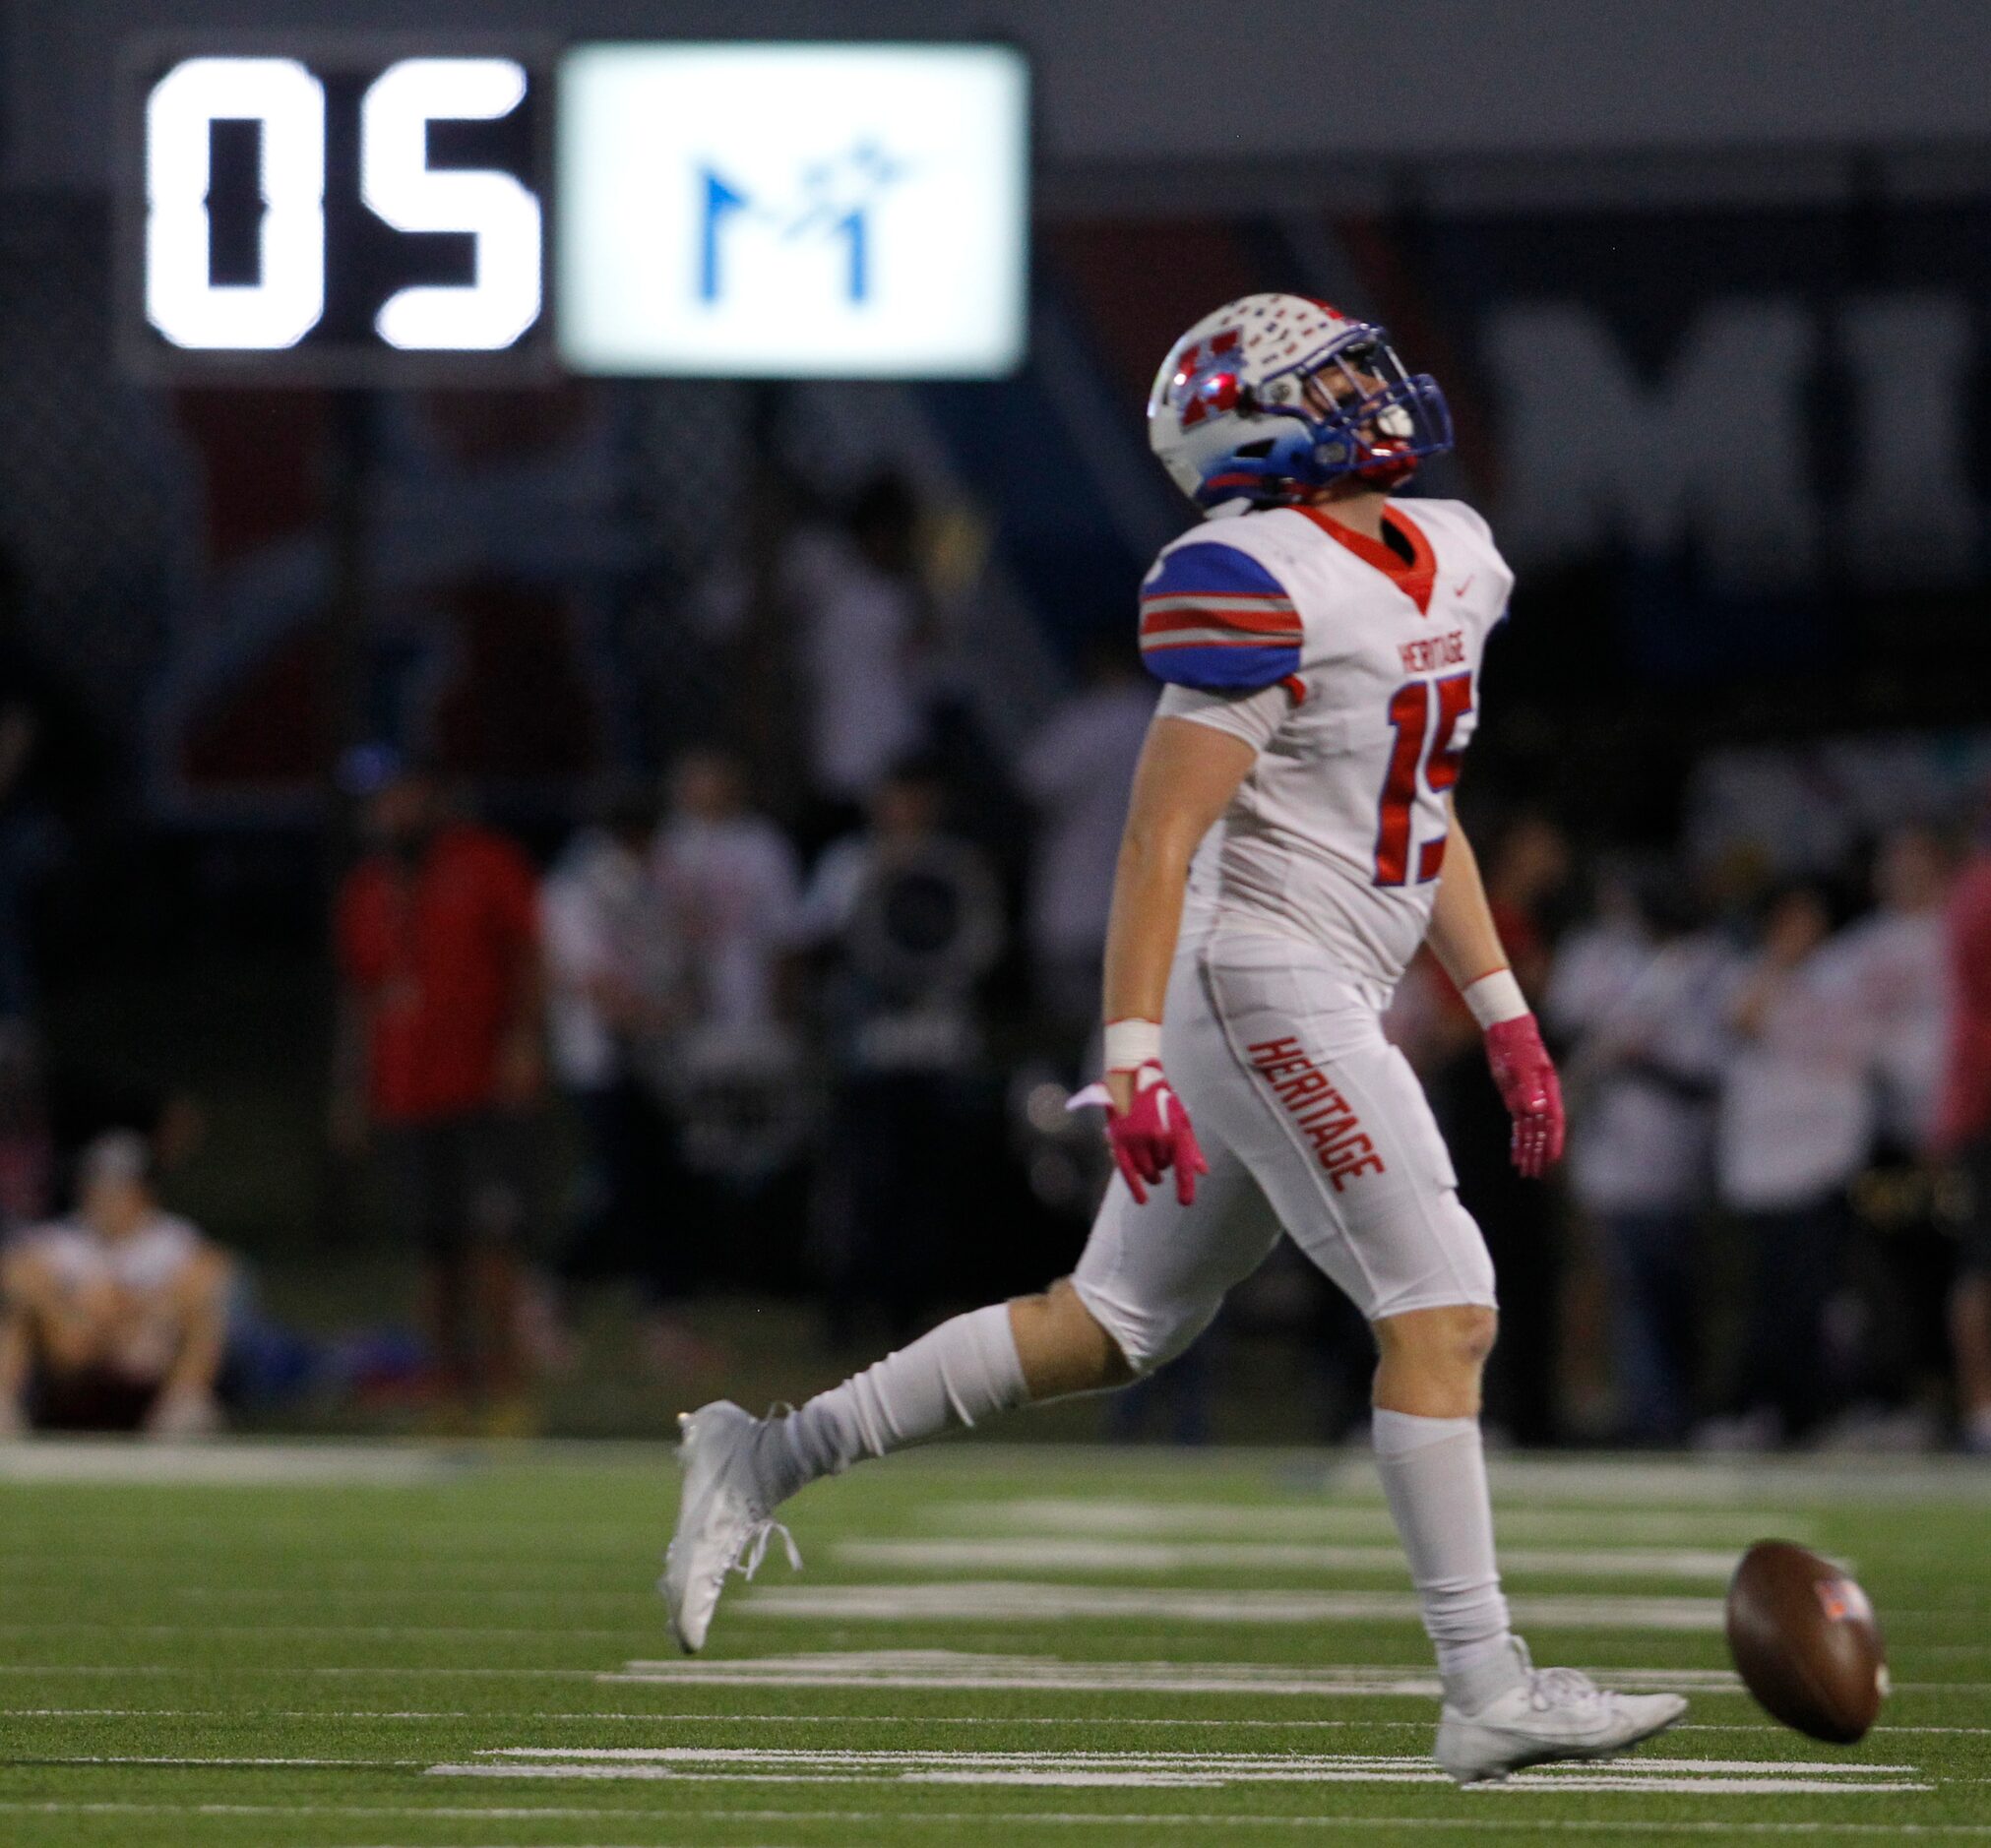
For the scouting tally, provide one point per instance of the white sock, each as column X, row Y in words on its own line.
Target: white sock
column 955, row 1375
column 1434, row 1474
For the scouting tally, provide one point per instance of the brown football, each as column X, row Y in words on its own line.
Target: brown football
column 1806, row 1642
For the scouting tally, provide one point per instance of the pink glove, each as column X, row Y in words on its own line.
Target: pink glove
column 1153, row 1137
column 1526, row 1077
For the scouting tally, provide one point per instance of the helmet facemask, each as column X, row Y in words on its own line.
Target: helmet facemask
column 1272, row 399
column 1366, row 418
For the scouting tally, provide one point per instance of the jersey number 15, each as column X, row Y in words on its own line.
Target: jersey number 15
column 1422, row 749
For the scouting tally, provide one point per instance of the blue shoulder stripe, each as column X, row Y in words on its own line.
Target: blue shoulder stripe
column 1211, row 567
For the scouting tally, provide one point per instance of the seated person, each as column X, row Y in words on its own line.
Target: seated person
column 115, row 1319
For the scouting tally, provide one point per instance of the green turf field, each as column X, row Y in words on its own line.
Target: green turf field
column 990, row 1646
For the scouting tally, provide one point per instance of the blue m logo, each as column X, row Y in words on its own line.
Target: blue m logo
column 835, row 201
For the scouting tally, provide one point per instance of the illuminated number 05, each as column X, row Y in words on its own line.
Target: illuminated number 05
column 1421, row 750
column 287, row 300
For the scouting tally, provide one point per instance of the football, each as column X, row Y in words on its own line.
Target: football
column 1806, row 1642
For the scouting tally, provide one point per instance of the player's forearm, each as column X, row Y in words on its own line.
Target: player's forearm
column 1186, row 774
column 1462, row 935
column 1146, row 920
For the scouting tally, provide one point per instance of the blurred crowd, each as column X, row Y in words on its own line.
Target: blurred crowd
column 1772, row 1217
column 803, row 1014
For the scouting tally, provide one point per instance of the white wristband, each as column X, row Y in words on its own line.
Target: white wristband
column 1133, row 1044
column 1494, row 998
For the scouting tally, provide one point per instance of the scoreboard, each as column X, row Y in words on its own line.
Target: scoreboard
column 381, row 211
column 335, row 213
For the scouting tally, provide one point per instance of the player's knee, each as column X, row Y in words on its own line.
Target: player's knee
column 1474, row 1331
column 1062, row 1346
column 1452, row 1341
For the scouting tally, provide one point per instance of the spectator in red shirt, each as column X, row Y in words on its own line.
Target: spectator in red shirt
column 1964, row 1135
column 439, row 1053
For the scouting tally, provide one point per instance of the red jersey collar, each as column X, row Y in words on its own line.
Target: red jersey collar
column 1414, row 580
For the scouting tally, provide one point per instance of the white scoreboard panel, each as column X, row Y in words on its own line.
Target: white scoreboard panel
column 381, row 211
column 780, row 210
column 335, row 211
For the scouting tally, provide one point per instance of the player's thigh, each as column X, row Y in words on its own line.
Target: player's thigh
column 1154, row 1275
column 1336, row 1127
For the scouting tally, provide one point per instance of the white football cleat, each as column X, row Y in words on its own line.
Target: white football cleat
column 1552, row 1715
column 724, row 1518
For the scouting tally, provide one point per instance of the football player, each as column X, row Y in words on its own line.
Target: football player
column 1289, row 844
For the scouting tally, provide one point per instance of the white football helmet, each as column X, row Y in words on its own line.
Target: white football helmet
column 1272, row 396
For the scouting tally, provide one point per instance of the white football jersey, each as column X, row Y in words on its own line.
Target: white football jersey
column 148, row 1262
column 1354, row 668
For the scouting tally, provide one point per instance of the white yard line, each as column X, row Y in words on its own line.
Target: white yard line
column 1025, row 1600
column 1699, row 1786
column 950, row 1668
column 402, row 1813
column 295, row 1668
column 662, row 1716
column 239, row 1464
column 1154, row 1771
column 1047, row 1553
column 1167, row 1780
column 636, row 1596
column 94, row 1668
column 850, row 1757
column 182, row 1761
column 943, row 1668
column 1159, row 1520
column 466, row 1632
column 374, row 1582
column 949, row 1819
column 1744, row 1481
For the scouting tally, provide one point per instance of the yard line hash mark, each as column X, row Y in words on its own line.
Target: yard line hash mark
column 1154, row 1771
column 1134, row 1558
column 1021, row 1599
column 949, row 1668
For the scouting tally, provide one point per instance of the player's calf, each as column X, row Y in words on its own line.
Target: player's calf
column 738, row 1468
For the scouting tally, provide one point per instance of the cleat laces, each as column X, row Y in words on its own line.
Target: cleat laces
column 754, row 1548
column 1549, row 1688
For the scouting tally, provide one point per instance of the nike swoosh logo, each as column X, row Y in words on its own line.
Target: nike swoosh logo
column 1460, row 589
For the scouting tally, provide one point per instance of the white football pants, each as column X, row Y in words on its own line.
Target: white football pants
column 1312, row 1124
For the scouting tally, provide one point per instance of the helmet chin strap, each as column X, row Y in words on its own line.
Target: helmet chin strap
column 1376, row 478
column 1387, row 472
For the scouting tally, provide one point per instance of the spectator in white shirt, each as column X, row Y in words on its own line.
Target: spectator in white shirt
column 1895, row 965
column 730, row 885
column 615, row 996
column 1640, row 998
column 116, row 1317
column 865, row 630
column 1795, row 1124
column 1076, row 772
